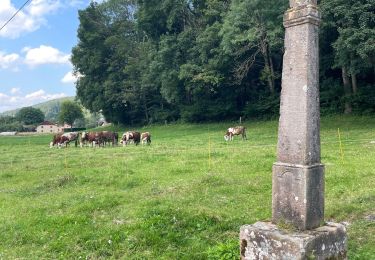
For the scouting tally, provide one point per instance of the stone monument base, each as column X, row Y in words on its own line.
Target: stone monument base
column 264, row 240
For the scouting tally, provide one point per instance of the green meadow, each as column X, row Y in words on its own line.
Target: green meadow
column 183, row 197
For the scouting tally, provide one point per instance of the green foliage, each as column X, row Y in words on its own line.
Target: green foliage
column 70, row 112
column 266, row 108
column 30, row 116
column 355, row 24
column 10, row 123
column 202, row 60
column 7, row 120
column 51, row 108
column 224, row 251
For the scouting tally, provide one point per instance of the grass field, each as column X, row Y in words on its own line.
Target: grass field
column 183, row 197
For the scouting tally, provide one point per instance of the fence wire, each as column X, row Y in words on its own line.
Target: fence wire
column 64, row 154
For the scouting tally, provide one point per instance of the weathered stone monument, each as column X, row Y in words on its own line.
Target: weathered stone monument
column 298, row 175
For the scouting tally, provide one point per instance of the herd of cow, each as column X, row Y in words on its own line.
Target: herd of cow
column 101, row 139
column 104, row 138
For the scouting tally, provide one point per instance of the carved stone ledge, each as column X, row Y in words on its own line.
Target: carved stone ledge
column 296, row 3
column 301, row 15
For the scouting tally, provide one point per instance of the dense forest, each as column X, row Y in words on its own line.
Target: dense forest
column 150, row 61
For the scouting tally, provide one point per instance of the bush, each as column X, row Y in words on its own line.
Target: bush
column 364, row 101
column 15, row 126
column 330, row 93
column 265, row 108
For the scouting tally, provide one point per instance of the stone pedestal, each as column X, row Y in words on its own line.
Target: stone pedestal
column 266, row 241
column 298, row 195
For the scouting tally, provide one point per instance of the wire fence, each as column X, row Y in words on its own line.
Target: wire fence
column 91, row 153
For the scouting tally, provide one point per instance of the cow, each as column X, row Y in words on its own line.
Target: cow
column 69, row 137
column 64, row 139
column 146, row 138
column 55, row 140
column 237, row 130
column 92, row 138
column 108, row 137
column 129, row 136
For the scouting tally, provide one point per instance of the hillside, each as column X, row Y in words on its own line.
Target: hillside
column 49, row 108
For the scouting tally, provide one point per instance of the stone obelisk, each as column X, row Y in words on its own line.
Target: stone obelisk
column 298, row 175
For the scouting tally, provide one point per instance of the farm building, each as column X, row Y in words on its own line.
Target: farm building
column 7, row 133
column 49, row 127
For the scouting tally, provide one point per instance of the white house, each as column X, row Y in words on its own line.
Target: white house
column 49, row 127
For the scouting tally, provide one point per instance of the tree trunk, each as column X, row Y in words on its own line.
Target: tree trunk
column 268, row 68
column 347, row 90
column 272, row 70
column 354, row 83
column 145, row 107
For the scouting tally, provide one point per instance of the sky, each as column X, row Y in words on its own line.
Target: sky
column 35, row 50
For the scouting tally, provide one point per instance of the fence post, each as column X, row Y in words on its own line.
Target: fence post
column 341, row 150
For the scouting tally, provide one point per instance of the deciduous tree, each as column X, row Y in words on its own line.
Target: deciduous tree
column 70, row 112
column 30, row 115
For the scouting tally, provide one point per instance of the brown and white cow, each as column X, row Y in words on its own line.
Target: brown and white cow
column 90, row 138
column 108, row 137
column 237, row 130
column 146, row 138
column 131, row 136
column 55, row 140
column 68, row 138
column 64, row 139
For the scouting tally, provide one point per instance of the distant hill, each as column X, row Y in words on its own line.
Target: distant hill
column 50, row 108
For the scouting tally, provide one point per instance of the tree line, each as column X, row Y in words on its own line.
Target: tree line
column 146, row 61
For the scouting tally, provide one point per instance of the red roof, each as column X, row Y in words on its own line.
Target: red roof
column 47, row 123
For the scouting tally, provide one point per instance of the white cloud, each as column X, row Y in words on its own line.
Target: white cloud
column 45, row 55
column 38, row 8
column 41, row 95
column 31, row 18
column 70, row 78
column 76, row 3
column 33, row 15
column 8, row 102
column 3, row 97
column 15, row 91
column 8, row 60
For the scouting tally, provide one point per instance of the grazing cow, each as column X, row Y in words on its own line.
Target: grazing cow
column 92, row 138
column 55, row 140
column 146, row 138
column 69, row 137
column 232, row 131
column 129, row 136
column 110, row 137
column 64, row 139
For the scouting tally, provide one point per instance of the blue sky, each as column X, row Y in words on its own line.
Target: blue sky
column 35, row 49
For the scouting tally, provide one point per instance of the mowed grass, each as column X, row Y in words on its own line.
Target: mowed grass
column 183, row 197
